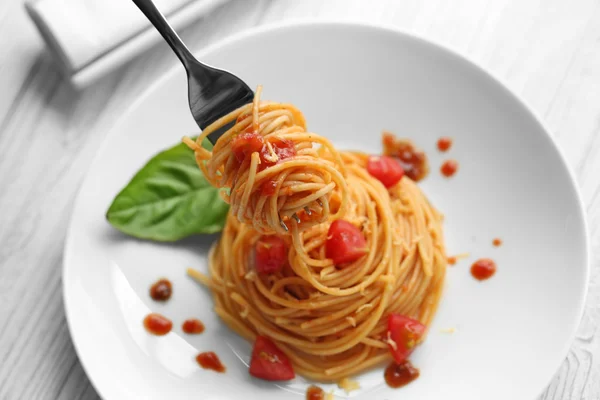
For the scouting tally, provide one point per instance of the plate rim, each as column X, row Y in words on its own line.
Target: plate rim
column 327, row 23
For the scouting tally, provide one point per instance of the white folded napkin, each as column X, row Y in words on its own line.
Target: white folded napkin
column 89, row 38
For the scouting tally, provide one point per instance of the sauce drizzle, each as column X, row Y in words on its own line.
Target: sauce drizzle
column 192, row 326
column 497, row 242
column 449, row 168
column 315, row 393
column 157, row 324
column 483, row 269
column 161, row 290
column 398, row 375
column 209, row 360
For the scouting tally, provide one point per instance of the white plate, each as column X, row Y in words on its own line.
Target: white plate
column 351, row 81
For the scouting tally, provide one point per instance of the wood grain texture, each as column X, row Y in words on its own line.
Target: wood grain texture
column 548, row 52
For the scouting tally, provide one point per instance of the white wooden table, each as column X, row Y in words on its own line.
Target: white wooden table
column 548, row 52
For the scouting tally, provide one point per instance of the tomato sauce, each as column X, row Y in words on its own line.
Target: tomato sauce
column 483, row 269
column 413, row 161
column 268, row 188
column 161, row 290
column 209, row 360
column 444, row 143
column 283, row 149
column 192, row 326
column 315, row 393
column 157, row 324
column 449, row 168
column 497, row 242
column 398, row 375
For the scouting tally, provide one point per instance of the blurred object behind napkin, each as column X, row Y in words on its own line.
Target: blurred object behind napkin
column 89, row 38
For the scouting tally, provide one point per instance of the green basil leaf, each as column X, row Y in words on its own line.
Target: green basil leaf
column 168, row 199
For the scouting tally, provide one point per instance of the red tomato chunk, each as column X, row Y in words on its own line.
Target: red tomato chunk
column 345, row 242
column 387, row 170
column 270, row 363
column 283, row 149
column 246, row 143
column 406, row 333
column 268, row 188
column 271, row 254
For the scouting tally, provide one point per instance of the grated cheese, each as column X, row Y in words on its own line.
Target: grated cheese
column 348, row 385
column 417, row 239
column 272, row 156
column 364, row 306
column 448, row 330
column 389, row 341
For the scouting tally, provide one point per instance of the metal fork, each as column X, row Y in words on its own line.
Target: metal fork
column 212, row 93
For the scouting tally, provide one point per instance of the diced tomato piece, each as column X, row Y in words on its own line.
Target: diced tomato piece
column 270, row 363
column 246, row 143
column 406, row 333
column 345, row 242
column 283, row 148
column 271, row 254
column 387, row 170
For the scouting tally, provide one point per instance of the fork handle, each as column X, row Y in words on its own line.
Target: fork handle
column 167, row 32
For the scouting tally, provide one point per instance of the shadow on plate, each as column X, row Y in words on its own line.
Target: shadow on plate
column 199, row 244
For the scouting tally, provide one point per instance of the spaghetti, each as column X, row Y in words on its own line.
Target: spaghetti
column 271, row 168
column 330, row 320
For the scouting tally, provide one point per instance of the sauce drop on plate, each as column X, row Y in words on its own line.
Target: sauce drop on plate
column 449, row 168
column 157, row 324
column 209, row 360
column 315, row 393
column 398, row 375
column 451, row 260
column 192, row 326
column 497, row 242
column 444, row 143
column 483, row 269
column 161, row 290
